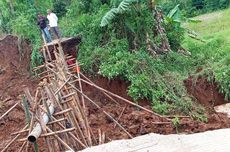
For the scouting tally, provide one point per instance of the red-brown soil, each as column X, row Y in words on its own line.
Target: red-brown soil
column 14, row 76
column 137, row 122
column 205, row 92
column 14, row 67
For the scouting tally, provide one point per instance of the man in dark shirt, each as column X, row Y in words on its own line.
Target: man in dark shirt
column 43, row 27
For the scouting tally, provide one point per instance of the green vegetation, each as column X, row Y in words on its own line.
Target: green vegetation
column 176, row 123
column 195, row 7
column 214, row 53
column 129, row 39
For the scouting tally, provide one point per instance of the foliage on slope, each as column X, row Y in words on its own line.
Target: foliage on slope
column 111, row 51
column 196, row 7
column 119, row 48
column 214, row 54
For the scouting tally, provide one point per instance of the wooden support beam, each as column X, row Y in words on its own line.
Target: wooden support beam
column 63, row 112
column 107, row 114
column 63, row 102
column 60, row 140
column 55, row 121
column 57, row 132
column 20, row 132
column 69, row 95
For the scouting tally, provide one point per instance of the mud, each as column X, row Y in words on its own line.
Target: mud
column 16, row 74
column 136, row 121
column 14, row 67
column 205, row 92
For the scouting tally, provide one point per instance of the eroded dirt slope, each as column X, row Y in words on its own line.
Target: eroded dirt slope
column 14, row 76
column 14, row 67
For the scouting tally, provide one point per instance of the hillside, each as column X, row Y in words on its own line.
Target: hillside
column 135, row 68
column 213, row 55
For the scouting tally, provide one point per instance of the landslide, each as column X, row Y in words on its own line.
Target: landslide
column 14, row 76
column 14, row 67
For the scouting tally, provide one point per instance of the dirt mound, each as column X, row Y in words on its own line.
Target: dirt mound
column 14, row 67
column 205, row 92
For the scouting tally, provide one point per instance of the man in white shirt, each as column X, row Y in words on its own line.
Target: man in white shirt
column 53, row 19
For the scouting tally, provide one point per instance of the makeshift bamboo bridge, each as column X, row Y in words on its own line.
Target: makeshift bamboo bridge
column 57, row 113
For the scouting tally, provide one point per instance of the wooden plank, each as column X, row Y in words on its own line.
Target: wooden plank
column 63, row 112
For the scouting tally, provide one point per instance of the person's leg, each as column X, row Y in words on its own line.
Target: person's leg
column 57, row 32
column 44, row 36
column 47, row 35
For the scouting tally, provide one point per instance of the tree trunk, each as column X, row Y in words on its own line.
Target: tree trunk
column 160, row 32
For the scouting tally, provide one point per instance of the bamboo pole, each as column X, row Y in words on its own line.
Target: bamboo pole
column 22, row 147
column 8, row 111
column 26, row 109
column 55, row 121
column 108, row 115
column 28, row 95
column 63, row 112
column 59, row 89
column 71, row 134
column 120, row 116
column 127, row 101
column 83, row 104
column 20, row 132
column 57, row 132
column 76, row 113
column 102, row 91
column 13, row 140
column 60, row 140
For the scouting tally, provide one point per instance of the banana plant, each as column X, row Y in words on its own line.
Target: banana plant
column 175, row 17
column 122, row 7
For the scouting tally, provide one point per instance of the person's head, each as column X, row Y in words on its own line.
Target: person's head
column 49, row 11
column 39, row 14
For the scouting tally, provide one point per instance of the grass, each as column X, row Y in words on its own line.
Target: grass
column 214, row 54
column 213, row 24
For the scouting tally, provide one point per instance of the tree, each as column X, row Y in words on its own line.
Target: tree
column 131, row 7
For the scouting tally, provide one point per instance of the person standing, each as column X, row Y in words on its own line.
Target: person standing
column 53, row 19
column 42, row 24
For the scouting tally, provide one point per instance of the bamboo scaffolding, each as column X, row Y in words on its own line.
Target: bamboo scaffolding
column 79, row 120
column 60, row 140
column 71, row 134
column 108, row 115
